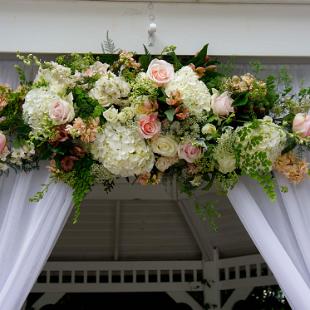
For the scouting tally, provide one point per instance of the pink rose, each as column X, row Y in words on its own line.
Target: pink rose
column 2, row 142
column 160, row 71
column 61, row 111
column 301, row 124
column 189, row 152
column 221, row 104
column 149, row 125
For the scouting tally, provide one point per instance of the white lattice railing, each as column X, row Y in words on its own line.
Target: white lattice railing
column 146, row 276
column 244, row 271
column 120, row 276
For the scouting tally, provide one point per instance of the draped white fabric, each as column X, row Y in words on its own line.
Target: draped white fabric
column 28, row 231
column 280, row 230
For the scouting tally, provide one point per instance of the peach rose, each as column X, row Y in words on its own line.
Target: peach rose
column 221, row 104
column 301, row 124
column 61, row 111
column 149, row 126
column 2, row 142
column 160, row 71
column 189, row 152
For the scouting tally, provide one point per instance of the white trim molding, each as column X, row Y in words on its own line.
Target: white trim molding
column 232, row 28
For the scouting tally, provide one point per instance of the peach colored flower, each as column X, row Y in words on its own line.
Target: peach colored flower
column 2, row 143
column 193, row 169
column 189, row 152
column 149, row 106
column 149, row 126
column 181, row 113
column 87, row 131
column 163, row 163
column 160, row 71
column 78, row 151
column 3, row 102
column 174, row 99
column 293, row 168
column 143, row 179
column 301, row 124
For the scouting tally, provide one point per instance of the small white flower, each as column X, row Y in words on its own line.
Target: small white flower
column 110, row 89
column 111, row 115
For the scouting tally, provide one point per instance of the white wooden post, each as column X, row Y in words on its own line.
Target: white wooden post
column 211, row 290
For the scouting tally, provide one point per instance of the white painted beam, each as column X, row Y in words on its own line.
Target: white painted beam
column 184, row 297
column 197, row 227
column 117, row 229
column 230, row 28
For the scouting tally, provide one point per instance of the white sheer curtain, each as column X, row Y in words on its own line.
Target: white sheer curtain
column 28, row 231
column 281, row 230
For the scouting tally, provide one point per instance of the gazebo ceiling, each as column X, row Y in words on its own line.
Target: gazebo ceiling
column 148, row 223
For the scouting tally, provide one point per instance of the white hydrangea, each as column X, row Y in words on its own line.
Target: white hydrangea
column 36, row 108
column 57, row 76
column 194, row 93
column 110, row 89
column 272, row 143
column 122, row 151
column 23, row 152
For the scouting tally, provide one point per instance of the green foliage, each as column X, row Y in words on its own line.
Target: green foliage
column 21, row 75
column 12, row 113
column 39, row 195
column 256, row 67
column 242, row 99
column 200, row 59
column 81, row 180
column 145, row 59
column 76, row 62
column 208, row 212
column 108, row 46
column 170, row 114
column 85, row 106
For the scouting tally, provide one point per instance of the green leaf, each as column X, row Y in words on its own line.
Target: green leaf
column 199, row 59
column 170, row 114
column 145, row 59
column 241, row 100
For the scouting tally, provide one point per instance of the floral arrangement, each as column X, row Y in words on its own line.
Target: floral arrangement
column 97, row 118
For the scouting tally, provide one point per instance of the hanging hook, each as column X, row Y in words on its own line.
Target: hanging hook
column 152, row 27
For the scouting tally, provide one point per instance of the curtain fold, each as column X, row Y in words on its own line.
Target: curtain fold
column 280, row 231
column 28, row 231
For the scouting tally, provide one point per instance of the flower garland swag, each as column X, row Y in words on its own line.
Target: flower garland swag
column 101, row 117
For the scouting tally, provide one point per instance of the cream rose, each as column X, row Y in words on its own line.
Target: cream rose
column 208, row 129
column 221, row 104
column 189, row 152
column 301, row 124
column 111, row 115
column 163, row 163
column 227, row 163
column 165, row 146
column 61, row 111
column 149, row 126
column 160, row 71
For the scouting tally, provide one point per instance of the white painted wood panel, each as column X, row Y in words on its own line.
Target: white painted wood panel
column 231, row 29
